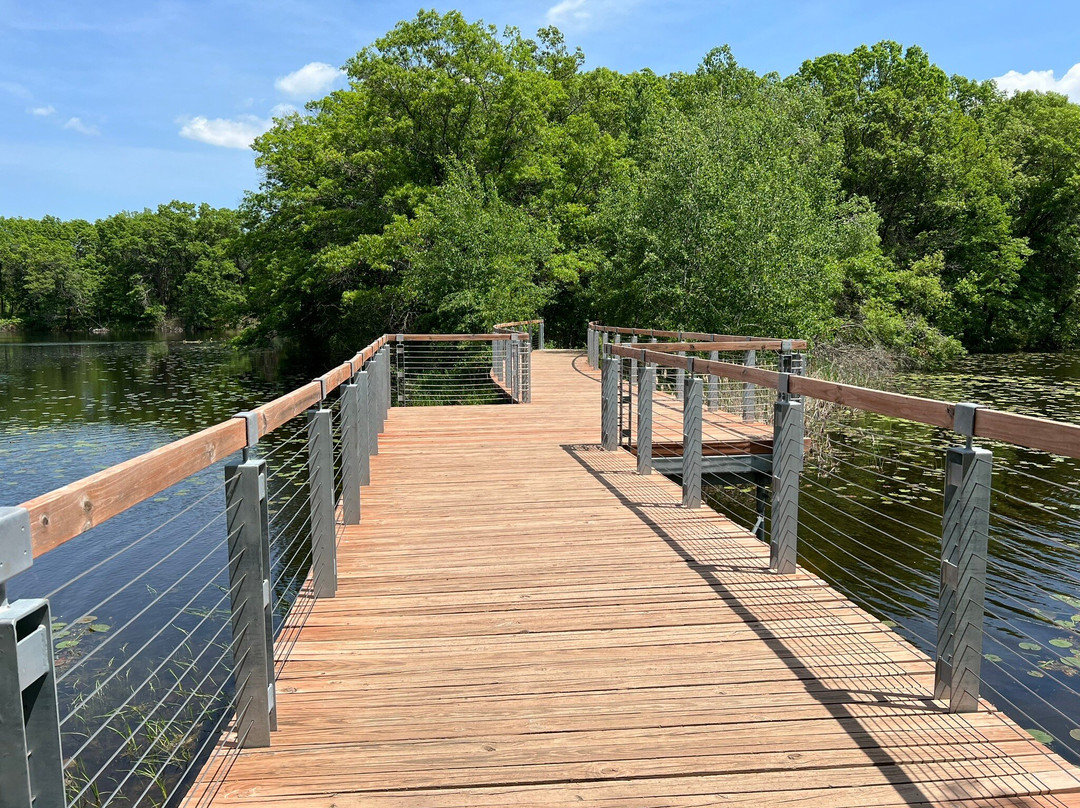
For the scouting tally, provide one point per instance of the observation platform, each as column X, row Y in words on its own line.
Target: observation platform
column 523, row 620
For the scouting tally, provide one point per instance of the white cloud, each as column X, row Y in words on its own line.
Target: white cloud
column 1043, row 81
column 569, row 12
column 43, row 112
column 236, row 133
column 281, row 110
column 581, row 14
column 311, row 79
column 80, row 127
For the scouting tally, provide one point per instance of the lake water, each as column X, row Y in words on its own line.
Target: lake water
column 140, row 603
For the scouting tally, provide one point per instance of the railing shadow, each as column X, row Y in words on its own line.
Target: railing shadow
column 730, row 556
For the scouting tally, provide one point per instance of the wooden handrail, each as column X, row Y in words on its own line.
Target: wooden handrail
column 796, row 344
column 518, row 322
column 750, row 344
column 1043, row 434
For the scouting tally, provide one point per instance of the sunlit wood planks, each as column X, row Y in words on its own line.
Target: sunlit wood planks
column 522, row 620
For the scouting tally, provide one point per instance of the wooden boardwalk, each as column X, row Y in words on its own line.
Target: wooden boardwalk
column 522, row 620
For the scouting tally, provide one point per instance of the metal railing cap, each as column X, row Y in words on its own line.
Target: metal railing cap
column 964, row 418
column 16, row 548
column 251, row 423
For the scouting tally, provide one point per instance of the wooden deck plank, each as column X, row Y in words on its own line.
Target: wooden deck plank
column 522, row 620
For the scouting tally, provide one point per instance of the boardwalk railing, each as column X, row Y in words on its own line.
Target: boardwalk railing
column 534, row 329
column 115, row 697
column 844, row 449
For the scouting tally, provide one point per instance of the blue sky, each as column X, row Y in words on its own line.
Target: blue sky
column 117, row 105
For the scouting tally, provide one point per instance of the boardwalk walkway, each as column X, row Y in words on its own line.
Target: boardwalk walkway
column 522, row 620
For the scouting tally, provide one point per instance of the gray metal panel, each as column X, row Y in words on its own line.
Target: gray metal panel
column 365, row 419
column 719, row 465
column 609, row 404
column 680, row 380
column 31, row 765
column 646, row 386
column 16, row 549
column 540, row 337
column 691, row 478
column 321, row 502
column 247, row 520
column 350, row 454
column 787, row 469
column 965, row 531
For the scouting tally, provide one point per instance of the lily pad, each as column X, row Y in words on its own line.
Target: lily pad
column 1075, row 734
column 99, row 628
column 1036, row 673
column 1040, row 736
column 991, row 657
column 1061, row 642
column 1030, row 646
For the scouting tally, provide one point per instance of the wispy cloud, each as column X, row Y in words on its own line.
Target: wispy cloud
column 17, row 90
column 234, row 133
column 43, row 112
column 310, row 80
column 581, row 14
column 77, row 125
column 1043, row 81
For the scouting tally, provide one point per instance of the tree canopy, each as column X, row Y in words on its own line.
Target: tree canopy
column 468, row 175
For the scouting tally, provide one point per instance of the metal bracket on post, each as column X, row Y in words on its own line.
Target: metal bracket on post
column 965, row 531
column 787, row 470
column 322, row 388
column 365, row 421
column 609, row 402
column 251, row 425
column 321, row 502
column 964, row 419
column 692, row 461
column 31, row 763
column 646, row 386
column 350, row 454
column 248, row 525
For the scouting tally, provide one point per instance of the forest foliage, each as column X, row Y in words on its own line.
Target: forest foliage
column 467, row 176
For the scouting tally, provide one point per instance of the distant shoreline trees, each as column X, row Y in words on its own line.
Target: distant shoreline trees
column 468, row 176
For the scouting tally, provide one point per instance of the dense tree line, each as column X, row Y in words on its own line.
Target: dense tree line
column 179, row 263
column 467, row 176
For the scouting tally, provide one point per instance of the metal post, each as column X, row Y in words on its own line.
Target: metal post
column 540, row 337
column 714, row 385
column 515, row 375
column 508, row 367
column 494, row 359
column 609, row 402
column 248, row 525
column 748, row 397
column 321, row 502
column 646, row 386
column 31, row 763
column 680, row 380
column 375, row 400
column 526, row 374
column 633, row 362
column 350, row 454
column 787, row 468
column 691, row 462
column 400, row 380
column 965, row 529
column 365, row 419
